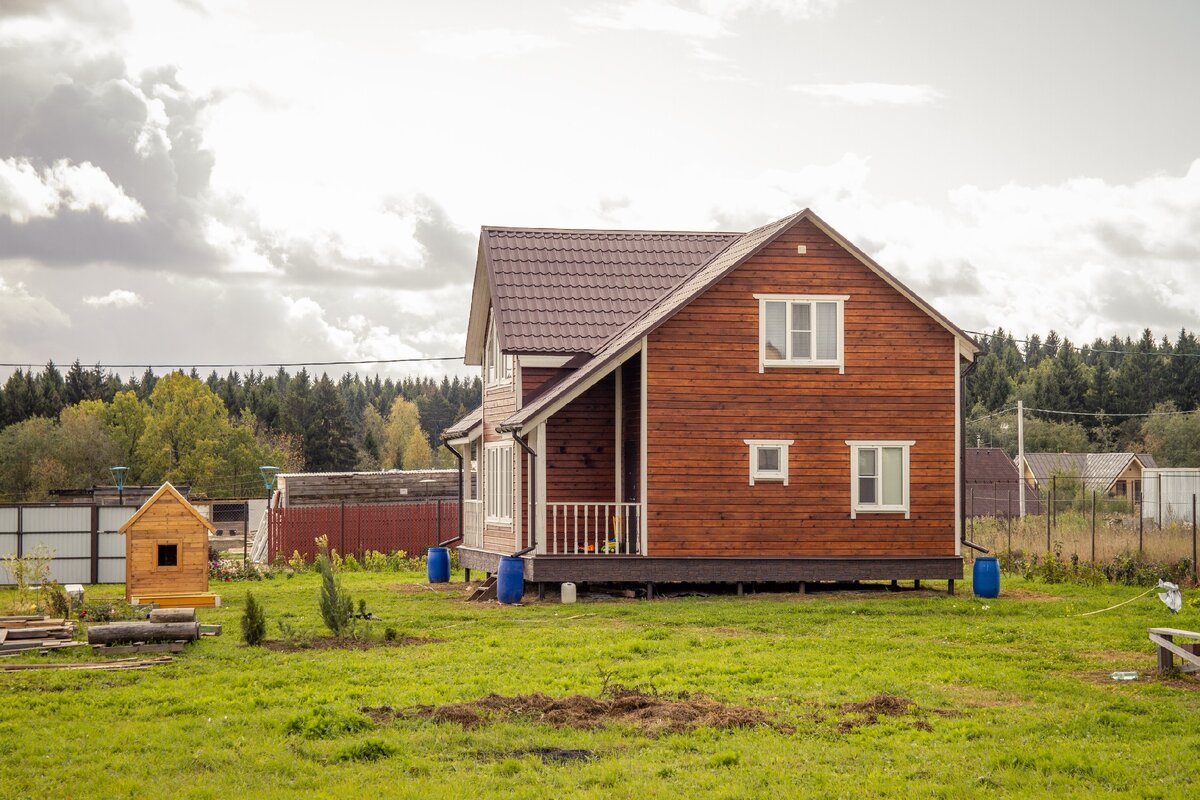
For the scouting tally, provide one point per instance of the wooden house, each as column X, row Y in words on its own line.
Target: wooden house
column 166, row 552
column 1117, row 475
column 668, row 406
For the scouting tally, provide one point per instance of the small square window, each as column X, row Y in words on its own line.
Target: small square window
column 168, row 555
column 768, row 460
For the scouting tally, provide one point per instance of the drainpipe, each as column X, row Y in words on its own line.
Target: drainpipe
column 459, row 456
column 532, row 495
column 962, row 456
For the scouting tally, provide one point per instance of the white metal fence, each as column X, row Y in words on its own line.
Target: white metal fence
column 1167, row 495
column 84, row 541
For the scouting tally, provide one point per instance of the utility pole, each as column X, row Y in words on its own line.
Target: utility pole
column 1021, row 453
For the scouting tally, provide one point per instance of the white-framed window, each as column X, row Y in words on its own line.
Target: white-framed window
column 498, row 482
column 801, row 331
column 879, row 477
column 471, row 465
column 768, row 459
column 498, row 366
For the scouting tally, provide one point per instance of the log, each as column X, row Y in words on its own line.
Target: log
column 173, row 615
column 144, row 632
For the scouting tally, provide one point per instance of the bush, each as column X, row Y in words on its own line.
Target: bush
column 254, row 622
column 55, row 602
column 337, row 607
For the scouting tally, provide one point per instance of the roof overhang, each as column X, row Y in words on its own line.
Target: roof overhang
column 477, row 323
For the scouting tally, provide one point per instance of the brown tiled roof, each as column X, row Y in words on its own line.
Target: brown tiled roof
column 993, row 485
column 567, row 291
column 618, row 345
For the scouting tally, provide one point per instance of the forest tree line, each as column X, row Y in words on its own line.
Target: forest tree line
column 1120, row 395
column 66, row 430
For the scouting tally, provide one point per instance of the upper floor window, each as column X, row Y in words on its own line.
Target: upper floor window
column 498, row 366
column 801, row 331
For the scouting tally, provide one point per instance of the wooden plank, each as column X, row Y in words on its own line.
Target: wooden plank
column 141, row 647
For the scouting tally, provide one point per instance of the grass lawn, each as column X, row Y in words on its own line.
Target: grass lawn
column 1038, row 714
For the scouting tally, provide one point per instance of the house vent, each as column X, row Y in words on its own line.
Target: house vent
column 801, row 249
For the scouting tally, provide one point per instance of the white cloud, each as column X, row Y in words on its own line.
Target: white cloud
column 873, row 94
column 26, row 193
column 705, row 19
column 19, row 307
column 117, row 298
column 486, row 43
column 657, row 16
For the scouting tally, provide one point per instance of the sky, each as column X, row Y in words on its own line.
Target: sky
column 211, row 181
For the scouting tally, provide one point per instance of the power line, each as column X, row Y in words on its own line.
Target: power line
column 259, row 366
column 993, row 414
column 1106, row 414
column 1080, row 349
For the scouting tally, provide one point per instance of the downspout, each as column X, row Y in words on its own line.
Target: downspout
column 532, row 495
column 459, row 456
column 962, row 456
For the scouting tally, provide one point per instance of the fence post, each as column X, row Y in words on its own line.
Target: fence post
column 1093, row 526
column 95, row 539
column 20, row 530
column 439, row 521
column 1048, row 512
column 1195, row 570
column 1053, row 505
column 1141, row 514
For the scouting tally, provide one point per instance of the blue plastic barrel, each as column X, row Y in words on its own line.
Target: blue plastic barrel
column 986, row 577
column 510, row 580
column 438, row 565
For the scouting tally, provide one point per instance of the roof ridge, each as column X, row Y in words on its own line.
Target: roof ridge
column 631, row 231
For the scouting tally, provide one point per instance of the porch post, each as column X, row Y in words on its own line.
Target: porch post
column 618, row 453
column 645, row 514
column 540, row 484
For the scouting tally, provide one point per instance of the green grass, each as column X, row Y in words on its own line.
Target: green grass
column 225, row 720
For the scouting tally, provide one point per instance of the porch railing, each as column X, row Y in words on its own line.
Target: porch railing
column 473, row 523
column 593, row 528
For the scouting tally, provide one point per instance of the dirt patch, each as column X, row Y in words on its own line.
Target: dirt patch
column 653, row 713
column 979, row 697
column 557, row 755
column 1104, row 678
column 868, row 712
column 418, row 588
column 1029, row 594
column 1116, row 656
column 333, row 643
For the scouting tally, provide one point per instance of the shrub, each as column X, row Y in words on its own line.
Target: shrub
column 297, row 561
column 254, row 622
column 109, row 611
column 54, row 600
column 351, row 564
column 337, row 607
column 370, row 750
column 323, row 722
column 30, row 569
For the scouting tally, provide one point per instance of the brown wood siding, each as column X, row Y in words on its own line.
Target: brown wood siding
column 706, row 396
column 534, row 378
column 166, row 522
column 499, row 402
column 581, row 446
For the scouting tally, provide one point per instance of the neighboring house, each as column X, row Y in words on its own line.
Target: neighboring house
column 1114, row 474
column 364, row 488
column 994, row 485
column 671, row 406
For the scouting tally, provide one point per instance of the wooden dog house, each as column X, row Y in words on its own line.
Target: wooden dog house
column 166, row 552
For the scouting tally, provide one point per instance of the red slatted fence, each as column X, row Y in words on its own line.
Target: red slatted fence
column 411, row 527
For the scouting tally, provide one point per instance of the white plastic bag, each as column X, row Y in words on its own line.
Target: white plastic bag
column 1171, row 597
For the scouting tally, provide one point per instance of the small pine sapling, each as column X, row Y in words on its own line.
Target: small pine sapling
column 254, row 622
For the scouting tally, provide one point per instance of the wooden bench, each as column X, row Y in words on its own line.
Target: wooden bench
column 1189, row 655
